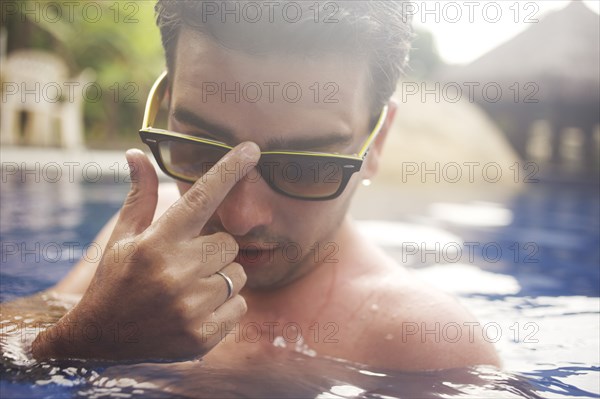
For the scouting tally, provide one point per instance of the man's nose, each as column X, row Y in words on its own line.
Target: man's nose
column 246, row 206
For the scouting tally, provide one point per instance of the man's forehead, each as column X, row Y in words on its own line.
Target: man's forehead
column 267, row 97
column 234, row 75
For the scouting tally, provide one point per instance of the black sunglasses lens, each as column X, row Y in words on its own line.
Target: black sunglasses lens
column 310, row 177
column 299, row 176
column 189, row 161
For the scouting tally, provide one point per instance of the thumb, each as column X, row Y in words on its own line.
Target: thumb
column 139, row 206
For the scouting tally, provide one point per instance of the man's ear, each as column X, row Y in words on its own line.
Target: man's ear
column 371, row 164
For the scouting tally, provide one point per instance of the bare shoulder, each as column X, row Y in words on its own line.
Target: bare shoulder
column 417, row 327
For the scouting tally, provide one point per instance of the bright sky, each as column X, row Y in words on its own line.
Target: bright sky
column 479, row 25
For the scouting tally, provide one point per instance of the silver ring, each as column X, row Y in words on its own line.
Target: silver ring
column 229, row 284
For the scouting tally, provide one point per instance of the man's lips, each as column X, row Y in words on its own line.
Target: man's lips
column 268, row 246
column 255, row 255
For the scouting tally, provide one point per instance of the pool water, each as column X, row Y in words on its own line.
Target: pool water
column 528, row 268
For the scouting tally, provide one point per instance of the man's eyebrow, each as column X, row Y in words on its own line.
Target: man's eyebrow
column 184, row 115
column 335, row 140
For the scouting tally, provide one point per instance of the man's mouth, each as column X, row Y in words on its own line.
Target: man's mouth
column 256, row 255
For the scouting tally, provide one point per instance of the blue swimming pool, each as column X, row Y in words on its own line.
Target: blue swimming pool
column 531, row 274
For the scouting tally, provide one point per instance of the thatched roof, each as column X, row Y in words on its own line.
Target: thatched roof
column 561, row 54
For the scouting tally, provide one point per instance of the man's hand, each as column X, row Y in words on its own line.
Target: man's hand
column 156, row 290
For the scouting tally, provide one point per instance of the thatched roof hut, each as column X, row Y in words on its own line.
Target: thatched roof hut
column 556, row 65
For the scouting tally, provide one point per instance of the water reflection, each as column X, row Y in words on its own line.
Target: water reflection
column 533, row 355
column 546, row 312
column 47, row 227
column 292, row 376
column 483, row 214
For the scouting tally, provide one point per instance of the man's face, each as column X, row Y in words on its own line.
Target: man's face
column 312, row 104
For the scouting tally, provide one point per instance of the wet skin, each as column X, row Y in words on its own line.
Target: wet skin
column 347, row 299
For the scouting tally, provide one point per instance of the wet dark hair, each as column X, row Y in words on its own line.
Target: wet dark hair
column 378, row 31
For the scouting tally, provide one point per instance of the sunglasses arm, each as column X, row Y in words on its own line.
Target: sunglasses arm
column 154, row 99
column 374, row 133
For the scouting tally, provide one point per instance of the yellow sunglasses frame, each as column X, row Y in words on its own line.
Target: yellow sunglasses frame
column 150, row 135
column 157, row 93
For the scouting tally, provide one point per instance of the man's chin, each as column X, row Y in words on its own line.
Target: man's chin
column 263, row 283
column 255, row 261
column 272, row 276
column 262, row 270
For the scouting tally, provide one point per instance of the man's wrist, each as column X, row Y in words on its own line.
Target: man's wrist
column 46, row 346
column 59, row 341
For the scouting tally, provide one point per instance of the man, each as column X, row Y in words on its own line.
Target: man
column 262, row 240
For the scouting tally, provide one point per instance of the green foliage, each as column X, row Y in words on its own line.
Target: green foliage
column 118, row 40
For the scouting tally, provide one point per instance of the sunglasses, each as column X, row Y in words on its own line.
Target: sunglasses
column 305, row 175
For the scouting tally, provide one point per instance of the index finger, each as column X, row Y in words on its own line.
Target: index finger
column 186, row 217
